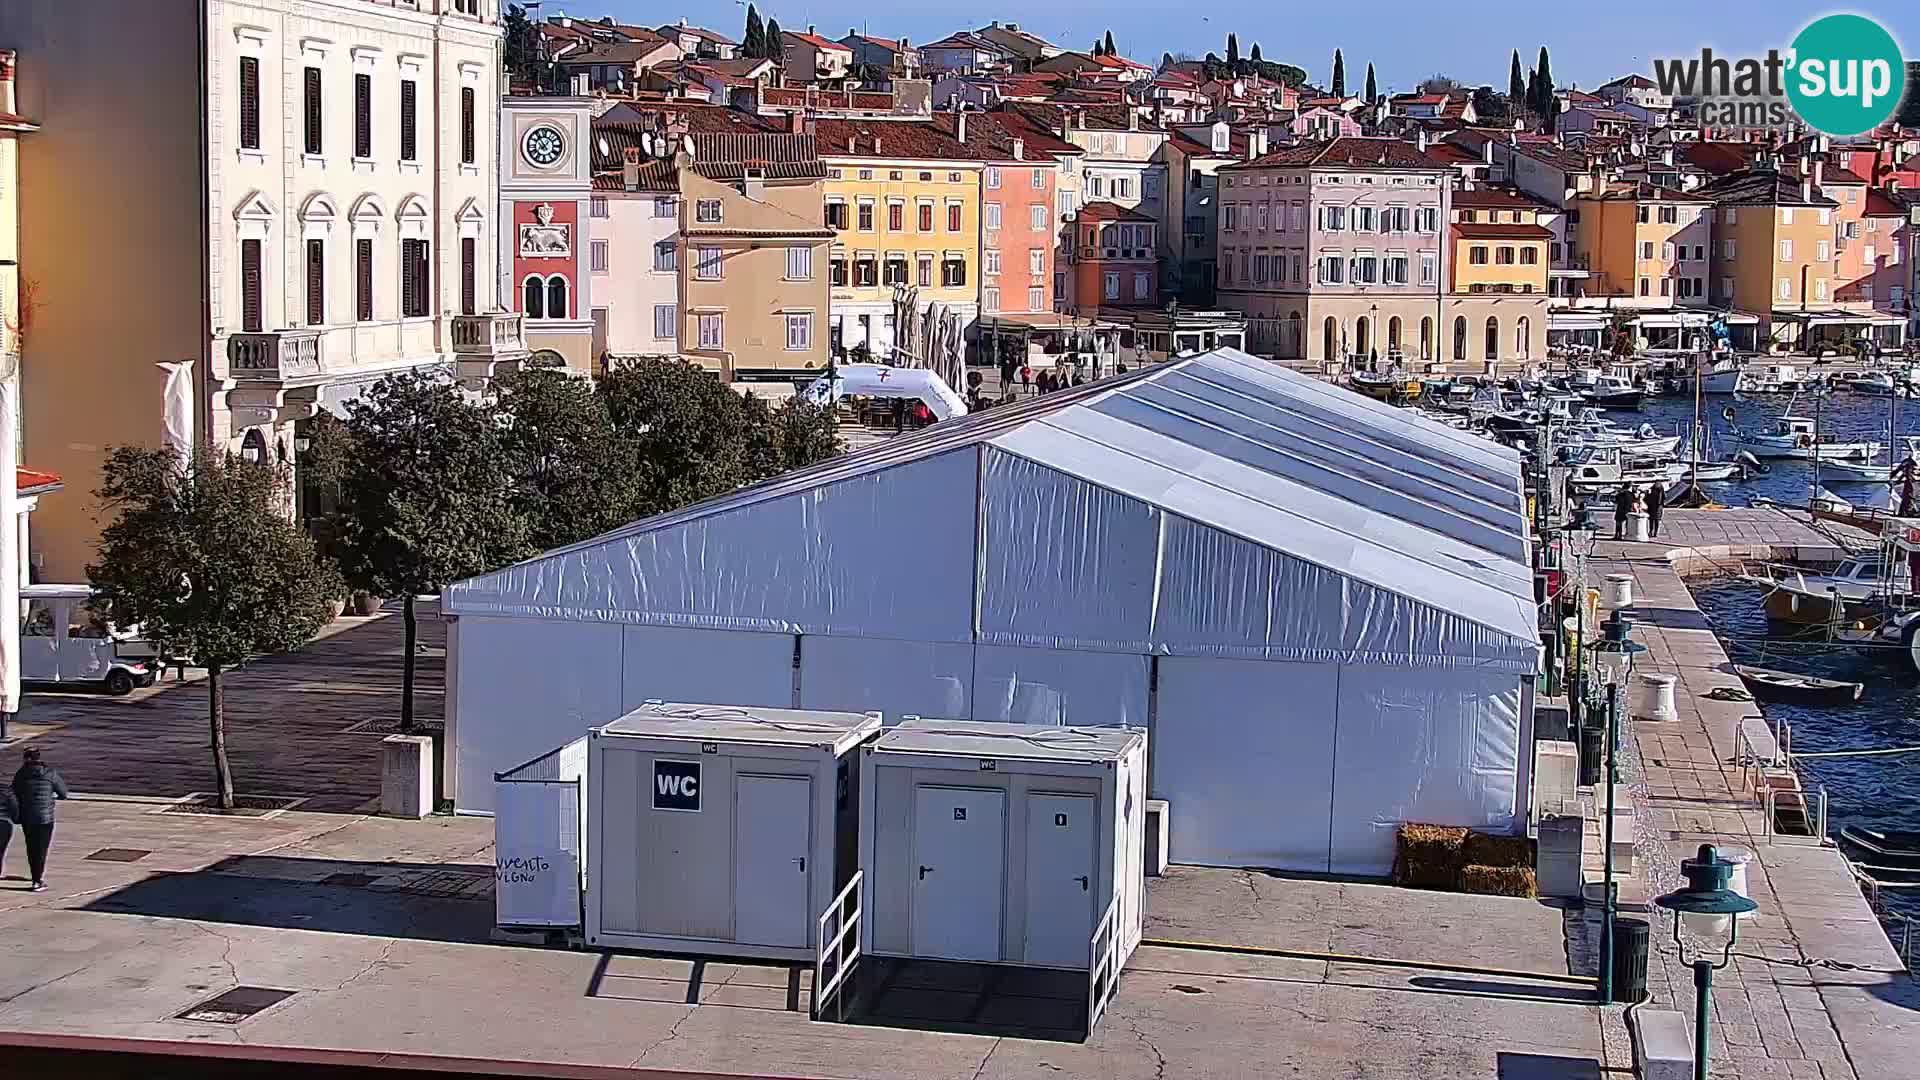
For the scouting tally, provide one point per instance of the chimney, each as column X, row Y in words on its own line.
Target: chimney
column 1806, row 188
column 809, row 29
column 683, row 20
column 630, row 168
column 1080, row 119
column 796, row 123
column 1019, row 149
column 1133, row 119
column 876, row 144
column 1420, row 138
column 8, row 100
column 1819, row 171
column 850, row 146
column 1486, row 152
column 960, row 125
column 1666, row 155
column 851, row 32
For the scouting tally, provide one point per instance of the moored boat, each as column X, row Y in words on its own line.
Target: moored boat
column 1883, row 854
column 1788, row 687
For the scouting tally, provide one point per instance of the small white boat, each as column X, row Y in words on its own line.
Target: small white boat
column 1613, row 392
column 1874, row 383
column 1723, row 378
column 1861, row 472
column 1794, row 437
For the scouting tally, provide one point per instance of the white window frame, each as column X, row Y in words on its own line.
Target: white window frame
column 799, row 263
column 666, row 317
column 707, row 264
column 599, row 255
column 1110, row 285
column 702, row 208
column 802, row 322
column 716, row 321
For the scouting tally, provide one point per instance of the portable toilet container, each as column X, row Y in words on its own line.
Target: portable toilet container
column 1004, row 843
column 720, row 830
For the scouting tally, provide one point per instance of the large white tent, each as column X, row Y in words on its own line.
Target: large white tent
column 1320, row 606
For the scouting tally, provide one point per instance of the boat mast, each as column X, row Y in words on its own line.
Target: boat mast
column 1819, row 403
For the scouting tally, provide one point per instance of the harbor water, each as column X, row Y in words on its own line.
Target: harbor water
column 1845, row 416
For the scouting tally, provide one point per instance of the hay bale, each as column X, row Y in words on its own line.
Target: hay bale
column 1429, row 856
column 1497, row 880
column 1488, row 849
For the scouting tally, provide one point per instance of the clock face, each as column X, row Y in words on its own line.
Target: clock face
column 544, row 145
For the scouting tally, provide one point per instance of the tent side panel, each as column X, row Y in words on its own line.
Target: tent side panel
column 1059, row 686
column 1243, row 754
column 895, row 677
column 1427, row 745
column 525, row 687
column 722, row 667
column 1065, row 561
column 869, row 554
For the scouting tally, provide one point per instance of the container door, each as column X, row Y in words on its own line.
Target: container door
column 1060, row 879
column 772, row 860
column 959, row 848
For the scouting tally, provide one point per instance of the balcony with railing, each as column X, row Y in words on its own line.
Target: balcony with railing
column 277, row 356
column 489, row 335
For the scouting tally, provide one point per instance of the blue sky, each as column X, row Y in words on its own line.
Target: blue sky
column 1407, row 40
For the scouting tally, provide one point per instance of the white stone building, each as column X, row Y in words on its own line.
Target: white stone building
column 298, row 197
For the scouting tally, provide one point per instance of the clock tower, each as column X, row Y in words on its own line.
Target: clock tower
column 546, row 178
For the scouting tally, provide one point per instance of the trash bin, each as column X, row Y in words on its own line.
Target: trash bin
column 1593, row 746
column 1630, row 938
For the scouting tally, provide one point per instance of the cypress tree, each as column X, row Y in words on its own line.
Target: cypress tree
column 1545, row 105
column 1107, row 46
column 776, row 49
column 1255, row 55
column 1339, row 87
column 1516, row 83
column 1233, row 51
column 1373, row 90
column 755, row 44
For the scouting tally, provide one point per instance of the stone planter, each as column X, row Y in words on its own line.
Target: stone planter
column 364, row 604
column 335, row 608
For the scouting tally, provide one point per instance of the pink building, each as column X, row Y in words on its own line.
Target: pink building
column 1323, row 123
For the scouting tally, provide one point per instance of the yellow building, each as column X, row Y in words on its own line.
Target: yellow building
column 1776, row 255
column 903, row 199
column 12, row 126
column 1647, row 245
column 1496, row 305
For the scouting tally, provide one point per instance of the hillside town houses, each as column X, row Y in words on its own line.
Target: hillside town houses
column 332, row 190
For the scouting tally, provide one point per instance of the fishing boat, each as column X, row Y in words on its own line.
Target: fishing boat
column 1872, row 383
column 1613, row 392
column 1795, row 596
column 1885, row 855
column 1798, row 437
column 1789, row 688
column 1390, row 388
column 1861, row 472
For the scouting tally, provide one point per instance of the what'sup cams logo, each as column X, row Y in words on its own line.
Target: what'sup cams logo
column 1843, row 75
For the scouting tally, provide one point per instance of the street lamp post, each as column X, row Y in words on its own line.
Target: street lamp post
column 1709, row 901
column 1613, row 657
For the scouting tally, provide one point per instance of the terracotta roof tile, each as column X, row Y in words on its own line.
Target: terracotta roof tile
column 35, row 482
column 1110, row 211
column 1347, row 152
column 1495, row 198
column 1475, row 230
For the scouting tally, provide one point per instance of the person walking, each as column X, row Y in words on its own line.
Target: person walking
column 1026, row 379
column 35, row 788
column 1656, row 505
column 1623, row 497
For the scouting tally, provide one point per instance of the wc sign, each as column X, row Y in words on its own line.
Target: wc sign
column 676, row 785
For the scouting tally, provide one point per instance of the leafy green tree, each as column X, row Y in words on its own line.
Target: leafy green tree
column 686, row 436
column 776, row 46
column 426, row 497
column 203, row 556
column 1516, row 82
column 1339, row 87
column 567, row 463
column 1107, row 45
column 796, row 434
column 1373, row 88
column 754, row 42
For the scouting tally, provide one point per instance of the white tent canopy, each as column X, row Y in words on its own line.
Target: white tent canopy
column 1254, row 537
column 879, row 380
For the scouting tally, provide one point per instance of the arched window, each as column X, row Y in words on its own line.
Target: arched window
column 1523, row 338
column 1426, row 338
column 556, row 297
column 1393, row 336
column 1493, row 338
column 1460, row 337
column 535, row 303
column 1330, row 339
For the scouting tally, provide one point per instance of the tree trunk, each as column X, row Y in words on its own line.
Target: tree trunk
column 217, row 719
column 406, row 667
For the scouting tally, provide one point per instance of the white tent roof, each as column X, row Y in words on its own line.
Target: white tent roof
column 1212, row 505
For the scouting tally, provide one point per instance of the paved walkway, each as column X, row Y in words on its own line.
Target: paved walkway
column 287, row 721
column 1815, row 990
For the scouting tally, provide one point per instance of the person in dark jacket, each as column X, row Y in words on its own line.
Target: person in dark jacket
column 9, row 809
column 35, row 787
column 1622, row 506
column 1656, row 505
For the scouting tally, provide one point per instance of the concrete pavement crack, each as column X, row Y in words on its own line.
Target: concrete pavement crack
column 988, row 1056
column 1159, row 1059
column 226, row 950
column 672, row 1034
column 42, row 984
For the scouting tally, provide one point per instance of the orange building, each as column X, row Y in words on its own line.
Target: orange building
column 1113, row 259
